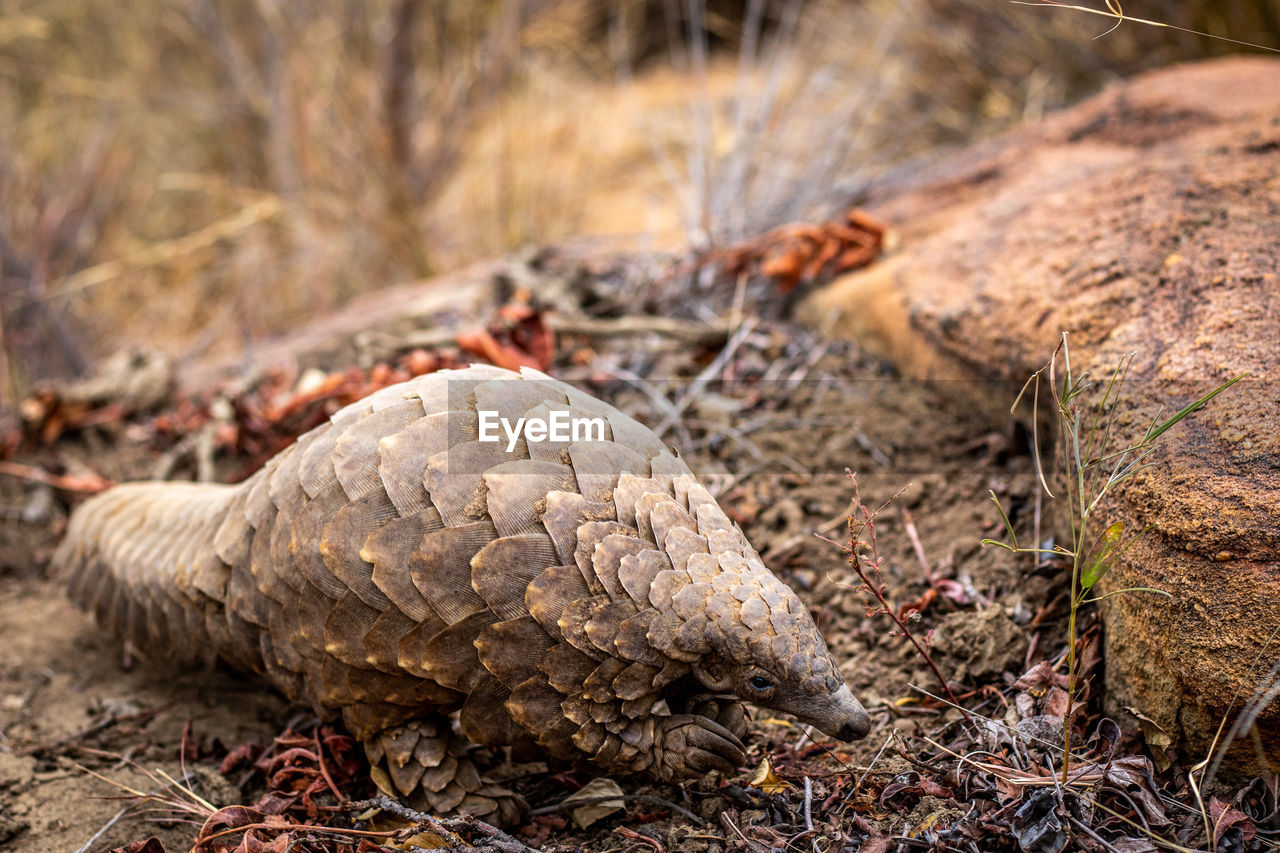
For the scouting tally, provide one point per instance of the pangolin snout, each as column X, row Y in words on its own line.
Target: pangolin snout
column 856, row 728
column 845, row 718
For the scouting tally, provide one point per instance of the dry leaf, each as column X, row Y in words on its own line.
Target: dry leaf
column 425, row 841
column 766, row 780
column 1158, row 740
column 589, row 813
column 1225, row 817
column 774, row 721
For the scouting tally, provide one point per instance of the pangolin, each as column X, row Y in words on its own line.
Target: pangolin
column 398, row 568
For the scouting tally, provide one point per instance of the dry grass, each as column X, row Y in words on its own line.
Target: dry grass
column 200, row 173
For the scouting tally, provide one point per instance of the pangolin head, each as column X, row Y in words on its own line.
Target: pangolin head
column 765, row 649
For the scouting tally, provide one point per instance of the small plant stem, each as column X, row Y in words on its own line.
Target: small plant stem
column 864, row 553
column 1089, row 478
column 920, row 650
column 1076, row 597
column 1069, row 415
column 1071, row 674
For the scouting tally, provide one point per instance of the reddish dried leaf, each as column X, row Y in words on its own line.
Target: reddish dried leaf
column 518, row 337
column 802, row 252
column 933, row 789
column 1055, row 702
column 231, row 817
column 1039, row 678
column 1224, row 817
column 252, row 842
column 294, row 755
column 827, row 249
column 367, row 846
column 787, row 268
column 864, row 221
column 920, row 605
column 858, row 256
column 238, row 757
column 275, row 802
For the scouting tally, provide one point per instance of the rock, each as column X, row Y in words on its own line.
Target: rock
column 980, row 644
column 1040, row 731
column 1144, row 220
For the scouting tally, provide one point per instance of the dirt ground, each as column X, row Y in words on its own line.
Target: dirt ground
column 770, row 419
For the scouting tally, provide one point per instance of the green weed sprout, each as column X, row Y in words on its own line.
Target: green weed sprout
column 1094, row 466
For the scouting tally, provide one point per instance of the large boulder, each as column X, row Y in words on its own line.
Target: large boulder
column 1145, row 220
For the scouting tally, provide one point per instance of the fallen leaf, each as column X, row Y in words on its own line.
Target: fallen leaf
column 774, row 721
column 1133, row 774
column 1040, row 678
column 518, row 336
column 1158, row 740
column 877, row 841
column 766, row 780
column 1037, row 826
column 426, row 841
column 1224, row 817
column 1055, row 702
column 924, row 825
column 589, row 813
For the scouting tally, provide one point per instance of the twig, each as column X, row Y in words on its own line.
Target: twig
column 879, row 456
column 187, row 790
column 205, row 447
column 102, row 723
column 861, row 561
column 640, row 836
column 715, row 429
column 199, row 806
column 290, row 827
column 391, row 807
column 182, row 748
column 659, row 399
column 671, row 327
column 166, row 250
column 90, row 483
column 499, row 840
column 914, row 536
column 104, row 829
column 324, row 771
column 750, row 845
column 808, row 804
column 449, row 826
column 1120, row 18
column 874, row 762
column 706, row 375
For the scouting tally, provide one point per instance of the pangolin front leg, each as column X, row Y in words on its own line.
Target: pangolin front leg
column 410, row 561
column 689, row 745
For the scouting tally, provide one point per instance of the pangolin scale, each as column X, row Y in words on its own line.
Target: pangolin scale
column 588, row 598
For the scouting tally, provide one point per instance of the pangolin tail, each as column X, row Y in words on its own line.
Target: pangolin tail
column 141, row 557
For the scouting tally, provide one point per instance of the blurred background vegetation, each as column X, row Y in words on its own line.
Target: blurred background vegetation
column 196, row 174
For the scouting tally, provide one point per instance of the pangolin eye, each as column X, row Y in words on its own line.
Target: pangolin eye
column 759, row 682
